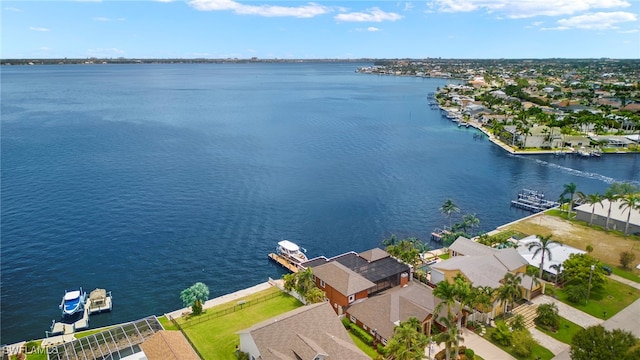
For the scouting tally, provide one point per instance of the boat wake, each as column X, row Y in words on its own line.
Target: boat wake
column 584, row 174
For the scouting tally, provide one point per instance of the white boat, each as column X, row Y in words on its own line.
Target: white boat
column 73, row 302
column 291, row 252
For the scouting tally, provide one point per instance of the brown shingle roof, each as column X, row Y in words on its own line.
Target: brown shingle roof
column 383, row 311
column 303, row 333
column 341, row 278
column 168, row 345
column 374, row 254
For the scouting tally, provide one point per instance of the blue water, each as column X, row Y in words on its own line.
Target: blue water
column 143, row 179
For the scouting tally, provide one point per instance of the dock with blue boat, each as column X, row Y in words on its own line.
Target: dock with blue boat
column 76, row 309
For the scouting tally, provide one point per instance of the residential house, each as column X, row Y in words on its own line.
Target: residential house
column 483, row 266
column 544, row 137
column 351, row 276
column 309, row 332
column 381, row 313
column 617, row 219
column 341, row 285
column 558, row 253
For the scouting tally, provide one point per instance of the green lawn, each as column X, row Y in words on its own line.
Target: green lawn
column 371, row 352
column 614, row 297
column 166, row 323
column 565, row 332
column 627, row 274
column 216, row 338
column 537, row 352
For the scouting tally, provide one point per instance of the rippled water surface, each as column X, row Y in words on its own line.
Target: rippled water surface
column 143, row 179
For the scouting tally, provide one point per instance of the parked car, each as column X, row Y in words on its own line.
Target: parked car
column 607, row 270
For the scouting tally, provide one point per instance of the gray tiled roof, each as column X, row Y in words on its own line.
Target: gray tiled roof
column 341, row 278
column 303, row 333
column 465, row 246
column 510, row 258
column 484, row 270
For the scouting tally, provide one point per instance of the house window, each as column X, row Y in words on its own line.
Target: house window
column 352, row 298
column 372, row 331
column 335, row 305
column 365, row 327
column 322, row 283
column 384, row 342
column 352, row 318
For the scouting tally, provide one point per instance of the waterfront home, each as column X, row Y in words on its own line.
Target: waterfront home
column 484, row 266
column 309, row 332
column 617, row 218
column 341, row 285
column 557, row 254
column 351, row 276
column 381, row 313
column 544, row 137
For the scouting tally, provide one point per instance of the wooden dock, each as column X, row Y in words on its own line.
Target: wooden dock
column 437, row 234
column 284, row 262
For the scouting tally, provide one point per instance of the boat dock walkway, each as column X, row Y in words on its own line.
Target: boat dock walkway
column 63, row 332
column 284, row 262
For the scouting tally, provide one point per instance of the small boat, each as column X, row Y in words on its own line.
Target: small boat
column 73, row 302
column 291, row 252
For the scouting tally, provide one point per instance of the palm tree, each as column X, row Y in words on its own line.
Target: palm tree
column 570, row 189
column 449, row 337
column 509, row 292
column 542, row 246
column 629, row 202
column 448, row 208
column 591, row 199
column 470, row 220
column 305, row 281
column 483, row 299
column 611, row 197
column 408, row 341
column 446, row 292
column 558, row 269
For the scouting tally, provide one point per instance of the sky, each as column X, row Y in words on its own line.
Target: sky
column 291, row 29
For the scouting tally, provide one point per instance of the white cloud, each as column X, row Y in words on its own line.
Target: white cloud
column 598, row 21
column 372, row 15
column 44, row 48
column 372, row 29
column 304, row 11
column 517, row 9
column 407, row 6
column 632, row 31
column 13, row 9
column 41, row 29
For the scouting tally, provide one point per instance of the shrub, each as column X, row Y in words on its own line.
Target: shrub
column 517, row 323
column 522, row 342
column 381, row 349
column 470, row 354
column 361, row 334
column 626, row 258
column 346, row 322
column 550, row 291
column 502, row 334
column 576, row 293
column 547, row 316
